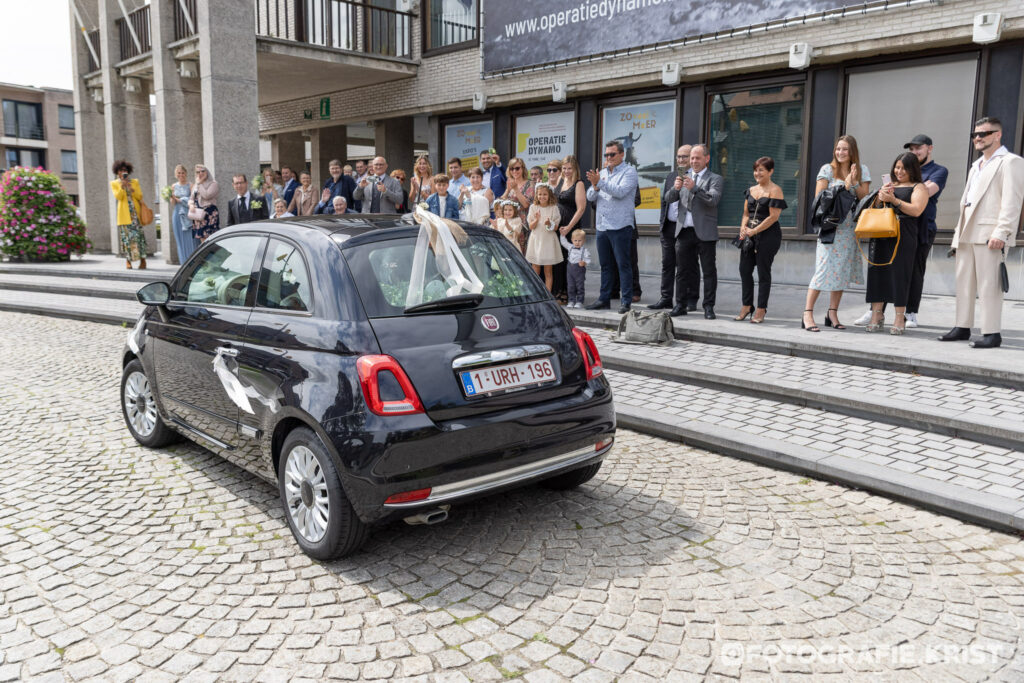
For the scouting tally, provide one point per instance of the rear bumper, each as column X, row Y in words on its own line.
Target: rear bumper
column 383, row 456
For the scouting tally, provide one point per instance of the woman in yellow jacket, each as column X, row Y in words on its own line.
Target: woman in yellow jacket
column 128, row 195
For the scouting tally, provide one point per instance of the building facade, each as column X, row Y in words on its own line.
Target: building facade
column 543, row 80
column 39, row 131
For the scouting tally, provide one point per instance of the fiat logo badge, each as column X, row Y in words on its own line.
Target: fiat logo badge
column 489, row 322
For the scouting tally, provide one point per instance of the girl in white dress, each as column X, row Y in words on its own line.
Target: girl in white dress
column 508, row 223
column 543, row 220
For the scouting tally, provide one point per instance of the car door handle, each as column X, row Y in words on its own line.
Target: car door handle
column 227, row 351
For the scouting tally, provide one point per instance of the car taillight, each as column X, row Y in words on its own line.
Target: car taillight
column 369, row 368
column 408, row 496
column 588, row 349
column 603, row 443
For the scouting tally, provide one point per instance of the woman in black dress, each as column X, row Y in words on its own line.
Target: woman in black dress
column 891, row 283
column 760, row 224
column 572, row 207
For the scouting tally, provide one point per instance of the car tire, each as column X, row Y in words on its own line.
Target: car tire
column 572, row 478
column 138, row 406
column 317, row 510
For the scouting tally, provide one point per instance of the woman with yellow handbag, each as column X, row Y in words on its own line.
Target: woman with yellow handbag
column 891, row 261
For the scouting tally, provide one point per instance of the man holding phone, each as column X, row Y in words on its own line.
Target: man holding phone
column 379, row 192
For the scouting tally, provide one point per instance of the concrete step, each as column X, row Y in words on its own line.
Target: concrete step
column 73, row 286
column 916, row 352
column 977, row 482
column 97, row 269
column 94, row 309
column 970, row 410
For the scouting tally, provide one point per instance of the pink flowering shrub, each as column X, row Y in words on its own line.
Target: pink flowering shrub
column 38, row 222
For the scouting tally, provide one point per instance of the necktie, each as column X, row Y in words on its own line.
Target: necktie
column 375, row 199
column 241, row 204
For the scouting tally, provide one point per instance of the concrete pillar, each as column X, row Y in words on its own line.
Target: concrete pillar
column 179, row 118
column 326, row 144
column 394, row 140
column 227, row 70
column 90, row 146
column 128, row 126
column 288, row 149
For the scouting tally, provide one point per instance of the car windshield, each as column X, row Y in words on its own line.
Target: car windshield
column 385, row 275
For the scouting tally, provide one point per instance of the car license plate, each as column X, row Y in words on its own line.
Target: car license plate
column 502, row 378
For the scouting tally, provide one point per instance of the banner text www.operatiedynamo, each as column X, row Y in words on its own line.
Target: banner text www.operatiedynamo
column 587, row 11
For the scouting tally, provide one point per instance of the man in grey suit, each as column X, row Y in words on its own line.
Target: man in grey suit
column 381, row 195
column 698, row 194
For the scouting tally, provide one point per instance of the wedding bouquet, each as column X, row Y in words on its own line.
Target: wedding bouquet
column 257, row 183
column 167, row 192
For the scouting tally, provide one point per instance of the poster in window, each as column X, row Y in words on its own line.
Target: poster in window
column 467, row 140
column 545, row 137
column 647, row 132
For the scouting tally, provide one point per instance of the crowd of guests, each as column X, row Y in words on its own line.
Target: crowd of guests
column 543, row 212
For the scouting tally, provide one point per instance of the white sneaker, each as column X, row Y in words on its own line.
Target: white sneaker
column 864, row 319
column 911, row 320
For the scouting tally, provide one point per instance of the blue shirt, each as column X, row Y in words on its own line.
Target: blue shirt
column 938, row 175
column 613, row 195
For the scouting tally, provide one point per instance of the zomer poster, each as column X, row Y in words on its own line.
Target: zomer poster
column 647, row 131
column 466, row 141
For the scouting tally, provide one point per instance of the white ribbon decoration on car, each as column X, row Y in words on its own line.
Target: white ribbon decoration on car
column 240, row 394
column 436, row 234
column 133, row 338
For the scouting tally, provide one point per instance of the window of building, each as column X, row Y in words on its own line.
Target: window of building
column 66, row 116
column 69, row 161
column 30, row 158
column 451, row 22
column 746, row 125
column 916, row 101
column 23, row 119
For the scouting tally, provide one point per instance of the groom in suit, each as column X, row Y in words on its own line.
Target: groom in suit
column 990, row 213
column 241, row 209
column 698, row 193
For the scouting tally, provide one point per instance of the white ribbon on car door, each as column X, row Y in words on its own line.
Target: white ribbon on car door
column 232, row 386
column 436, row 234
column 136, row 336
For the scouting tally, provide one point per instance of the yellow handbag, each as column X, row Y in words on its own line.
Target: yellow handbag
column 878, row 224
column 145, row 213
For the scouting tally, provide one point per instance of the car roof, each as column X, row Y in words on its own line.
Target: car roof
column 356, row 228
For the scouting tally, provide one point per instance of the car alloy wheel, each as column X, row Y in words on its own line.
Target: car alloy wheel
column 139, row 404
column 306, row 489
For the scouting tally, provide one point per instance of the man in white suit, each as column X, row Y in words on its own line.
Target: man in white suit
column 990, row 211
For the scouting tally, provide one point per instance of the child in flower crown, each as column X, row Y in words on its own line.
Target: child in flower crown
column 509, row 224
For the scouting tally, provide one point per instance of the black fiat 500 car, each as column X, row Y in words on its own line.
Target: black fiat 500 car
column 331, row 357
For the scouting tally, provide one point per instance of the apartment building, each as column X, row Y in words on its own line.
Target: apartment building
column 39, row 130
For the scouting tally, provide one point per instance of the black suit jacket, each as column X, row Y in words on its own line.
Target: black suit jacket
column 670, row 180
column 247, row 214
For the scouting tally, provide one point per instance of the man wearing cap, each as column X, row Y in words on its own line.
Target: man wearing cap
column 990, row 213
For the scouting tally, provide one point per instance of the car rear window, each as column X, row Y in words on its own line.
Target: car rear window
column 383, row 270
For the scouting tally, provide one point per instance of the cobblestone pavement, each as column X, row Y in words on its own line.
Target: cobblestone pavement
column 981, row 467
column 673, row 564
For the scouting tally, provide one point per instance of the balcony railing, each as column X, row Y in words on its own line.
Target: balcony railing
column 140, row 22
column 94, row 39
column 24, row 130
column 182, row 28
column 341, row 24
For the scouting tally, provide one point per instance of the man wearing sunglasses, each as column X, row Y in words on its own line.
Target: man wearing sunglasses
column 612, row 190
column 990, row 213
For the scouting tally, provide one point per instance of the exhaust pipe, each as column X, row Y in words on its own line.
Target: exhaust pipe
column 432, row 516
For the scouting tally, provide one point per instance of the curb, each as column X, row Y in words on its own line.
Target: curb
column 68, row 290
column 143, row 276
column 973, row 506
column 995, row 376
column 940, row 420
column 84, row 315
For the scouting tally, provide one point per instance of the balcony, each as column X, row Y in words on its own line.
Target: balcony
column 138, row 21
column 23, row 135
column 332, row 44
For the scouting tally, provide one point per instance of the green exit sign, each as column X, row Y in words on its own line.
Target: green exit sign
column 325, row 107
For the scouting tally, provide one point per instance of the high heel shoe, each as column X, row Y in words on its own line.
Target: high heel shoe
column 898, row 330
column 128, row 262
column 812, row 328
column 875, row 326
column 757, row 321
column 744, row 316
column 828, row 320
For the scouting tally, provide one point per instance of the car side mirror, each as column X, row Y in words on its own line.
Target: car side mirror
column 154, row 294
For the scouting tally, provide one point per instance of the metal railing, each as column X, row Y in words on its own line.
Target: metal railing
column 341, row 24
column 140, row 23
column 24, row 131
column 444, row 32
column 181, row 24
column 94, row 39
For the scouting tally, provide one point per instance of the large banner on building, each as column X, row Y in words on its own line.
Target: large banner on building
column 524, row 34
column 647, row 132
column 544, row 137
column 466, row 141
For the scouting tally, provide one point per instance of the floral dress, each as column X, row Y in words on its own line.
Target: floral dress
column 838, row 265
column 133, row 237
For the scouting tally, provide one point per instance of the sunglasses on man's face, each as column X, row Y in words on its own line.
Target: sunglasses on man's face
column 609, row 155
column 554, row 170
column 981, row 134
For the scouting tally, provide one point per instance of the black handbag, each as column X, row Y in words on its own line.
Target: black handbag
column 1004, row 277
